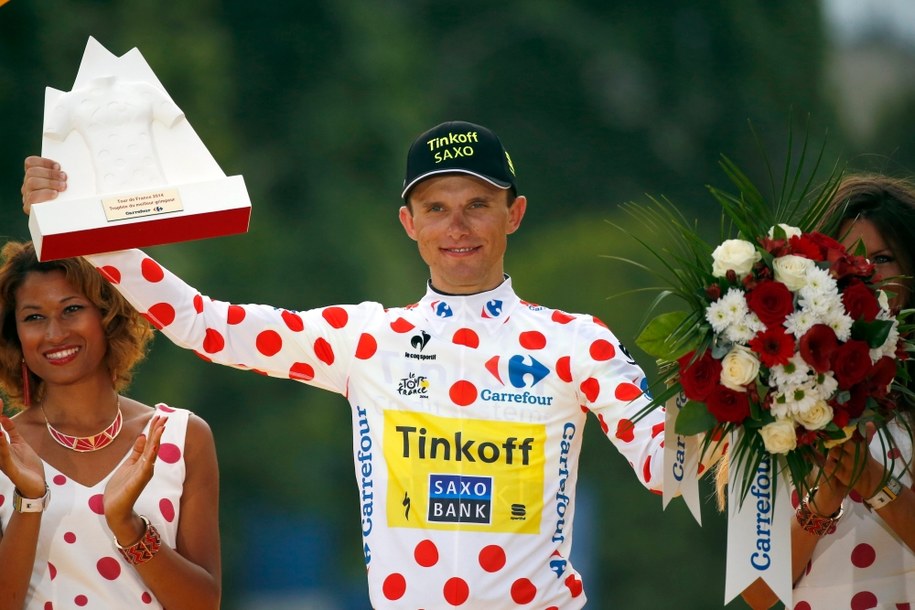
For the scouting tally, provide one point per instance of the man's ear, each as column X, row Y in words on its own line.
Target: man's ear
column 516, row 213
column 406, row 219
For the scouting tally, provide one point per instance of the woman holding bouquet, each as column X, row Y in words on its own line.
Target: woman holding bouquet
column 104, row 502
column 853, row 541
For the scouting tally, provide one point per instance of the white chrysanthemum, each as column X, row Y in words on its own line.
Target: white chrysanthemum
column 795, row 398
column 729, row 309
column 825, row 385
column 799, row 322
column 818, row 302
column 743, row 330
column 840, row 322
column 819, row 280
column 796, row 372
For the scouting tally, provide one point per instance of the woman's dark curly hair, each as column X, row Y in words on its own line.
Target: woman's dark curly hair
column 127, row 331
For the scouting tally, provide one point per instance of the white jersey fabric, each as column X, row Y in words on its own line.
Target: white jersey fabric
column 77, row 566
column 468, row 416
column 863, row 564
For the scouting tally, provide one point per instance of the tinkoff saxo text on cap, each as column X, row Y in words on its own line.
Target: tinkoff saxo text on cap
column 459, row 147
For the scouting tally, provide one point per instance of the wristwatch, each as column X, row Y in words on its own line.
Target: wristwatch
column 885, row 495
column 31, row 505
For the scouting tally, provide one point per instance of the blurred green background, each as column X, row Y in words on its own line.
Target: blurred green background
column 599, row 102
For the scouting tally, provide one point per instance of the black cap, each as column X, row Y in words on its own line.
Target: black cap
column 458, row 146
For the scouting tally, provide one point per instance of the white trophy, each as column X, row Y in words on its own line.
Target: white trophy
column 137, row 173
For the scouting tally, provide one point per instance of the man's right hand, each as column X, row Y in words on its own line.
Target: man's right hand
column 42, row 182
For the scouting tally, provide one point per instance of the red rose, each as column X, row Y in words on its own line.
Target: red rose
column 802, row 245
column 817, row 346
column 860, row 302
column 829, row 248
column 851, row 363
column 845, row 265
column 699, row 378
column 773, row 346
column 775, row 247
column 727, row 405
column 771, row 302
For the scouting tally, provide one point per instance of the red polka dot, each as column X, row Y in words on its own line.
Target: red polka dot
column 564, row 369
column 573, row 584
column 151, row 270
column 456, row 591
column 324, row 351
column 146, row 598
column 48, row 606
column 108, row 567
column 213, row 342
column 80, row 600
column 293, row 321
column 462, row 393
column 97, row 504
column 367, row 347
column 167, row 508
column 627, row 391
column 2, row 499
column 52, row 570
column 894, row 453
column 599, row 322
column 69, row 537
column 112, row 274
column 426, row 554
column 401, row 326
column 203, row 357
column 625, row 430
column 646, row 469
column 590, row 387
column 863, row 555
column 198, row 303
column 602, row 350
column 657, row 429
column 169, row 453
column 269, row 342
column 603, row 423
column 532, row 340
column 865, row 600
column 523, row 591
column 161, row 315
column 467, row 337
column 236, row 314
column 492, row 558
column 165, row 408
column 335, row 316
column 560, row 317
column 394, row 586
column 802, row 606
column 301, row 371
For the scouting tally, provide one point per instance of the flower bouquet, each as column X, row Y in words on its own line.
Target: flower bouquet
column 787, row 336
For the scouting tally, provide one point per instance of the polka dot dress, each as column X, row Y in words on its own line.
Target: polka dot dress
column 468, row 415
column 77, row 566
column 864, row 565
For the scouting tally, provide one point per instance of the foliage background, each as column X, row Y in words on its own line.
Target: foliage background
column 315, row 103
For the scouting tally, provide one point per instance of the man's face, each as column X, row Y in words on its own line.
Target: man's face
column 461, row 226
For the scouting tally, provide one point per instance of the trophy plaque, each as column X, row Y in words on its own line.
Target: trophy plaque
column 137, row 173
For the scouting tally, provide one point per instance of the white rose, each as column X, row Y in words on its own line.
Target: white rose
column 791, row 271
column 779, row 436
column 734, row 254
column 739, row 368
column 816, row 416
column 788, row 229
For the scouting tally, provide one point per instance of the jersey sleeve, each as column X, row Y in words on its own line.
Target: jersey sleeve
column 613, row 387
column 315, row 346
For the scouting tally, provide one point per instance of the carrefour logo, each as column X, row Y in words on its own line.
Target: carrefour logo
column 441, row 309
column 523, row 371
column 492, row 309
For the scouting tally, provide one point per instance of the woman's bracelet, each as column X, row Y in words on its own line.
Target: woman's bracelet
column 143, row 549
column 813, row 523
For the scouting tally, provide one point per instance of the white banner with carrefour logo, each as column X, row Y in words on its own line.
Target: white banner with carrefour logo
column 759, row 530
column 681, row 461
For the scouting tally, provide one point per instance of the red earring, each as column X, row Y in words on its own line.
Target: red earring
column 26, row 395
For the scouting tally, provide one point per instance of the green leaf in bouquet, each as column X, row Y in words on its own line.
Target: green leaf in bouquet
column 667, row 336
column 873, row 333
column 694, row 418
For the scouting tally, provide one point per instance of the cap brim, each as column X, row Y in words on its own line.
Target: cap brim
column 497, row 183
